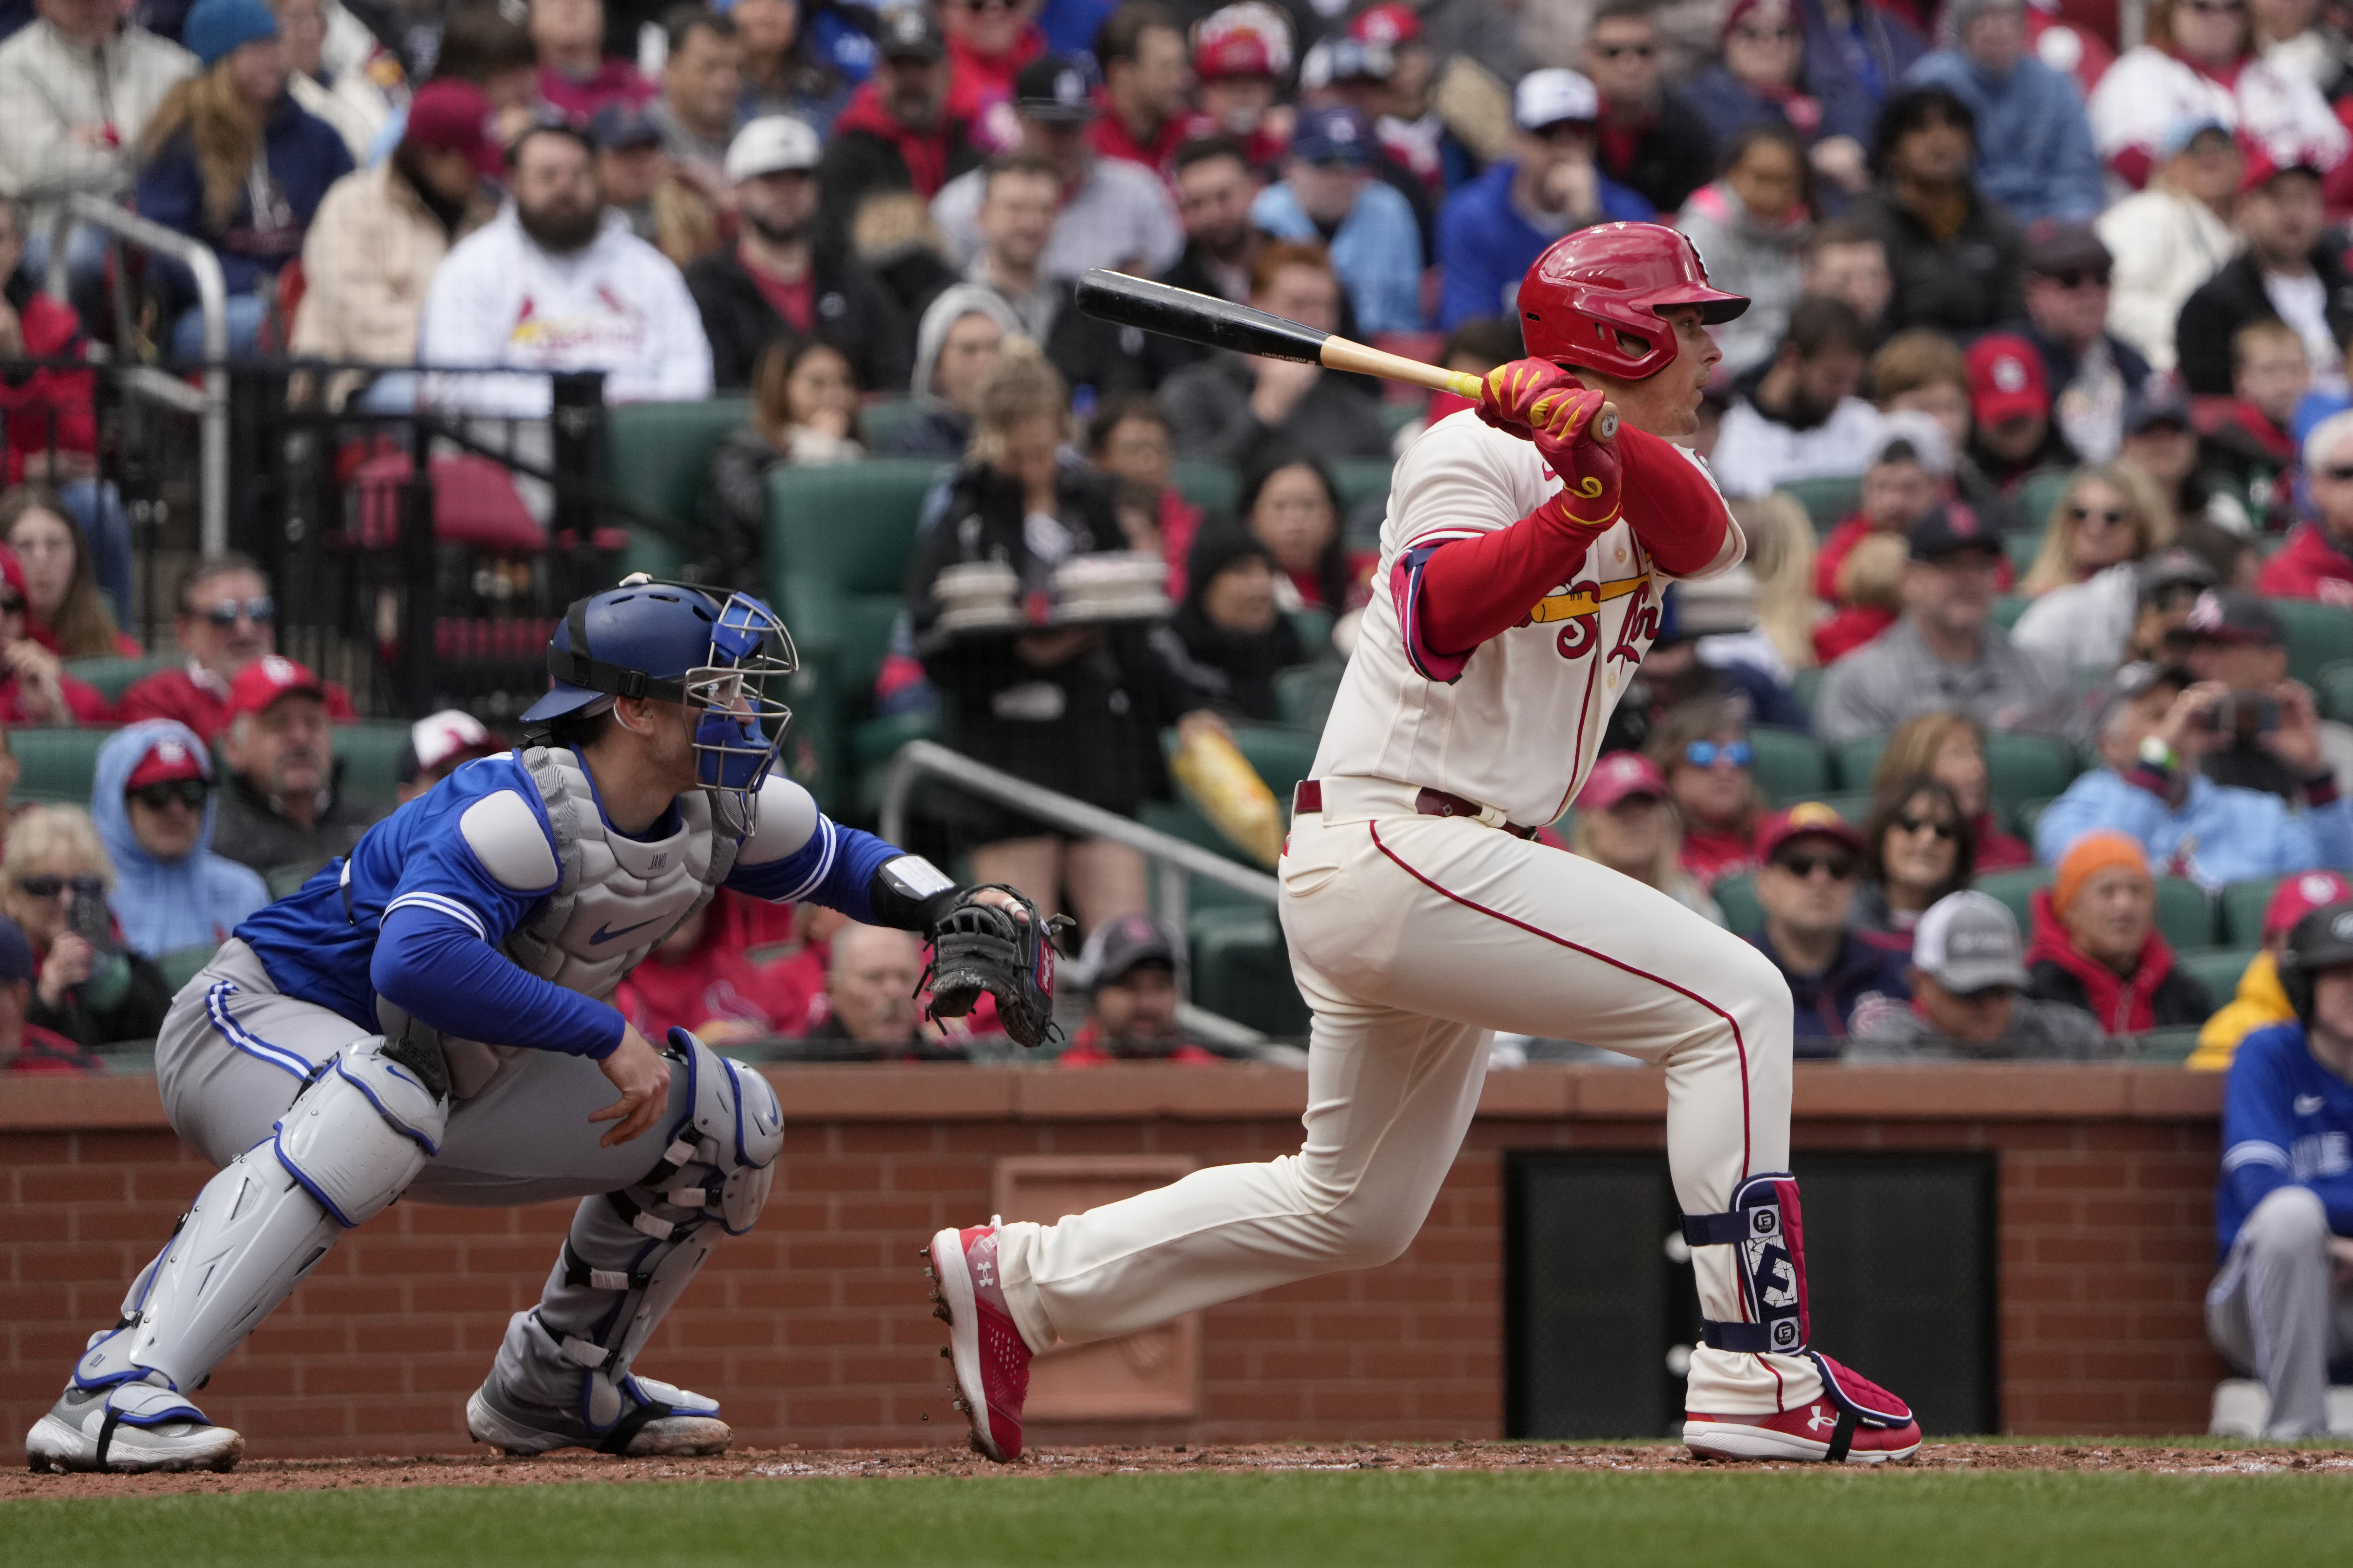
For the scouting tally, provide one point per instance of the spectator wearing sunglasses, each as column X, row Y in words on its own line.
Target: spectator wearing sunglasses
column 1969, row 976
column 26, row 1048
column 1703, row 749
column 225, row 620
column 2106, row 526
column 1918, row 847
column 283, row 803
column 1649, row 138
column 55, row 878
column 2096, row 945
column 2316, row 562
column 154, row 802
column 2092, row 373
column 1807, row 862
column 35, row 689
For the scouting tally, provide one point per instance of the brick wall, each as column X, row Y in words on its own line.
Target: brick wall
column 814, row 1329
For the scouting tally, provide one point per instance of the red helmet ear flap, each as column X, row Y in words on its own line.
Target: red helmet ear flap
column 1588, row 288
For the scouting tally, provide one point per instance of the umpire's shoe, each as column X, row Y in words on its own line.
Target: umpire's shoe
column 132, row 1427
column 661, row 1421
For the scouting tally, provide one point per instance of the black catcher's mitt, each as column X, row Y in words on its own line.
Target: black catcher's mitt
column 978, row 947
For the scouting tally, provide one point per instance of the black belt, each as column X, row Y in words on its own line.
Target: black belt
column 1309, row 796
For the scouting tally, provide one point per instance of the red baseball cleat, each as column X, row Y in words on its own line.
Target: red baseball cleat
column 1854, row 1422
column 992, row 1360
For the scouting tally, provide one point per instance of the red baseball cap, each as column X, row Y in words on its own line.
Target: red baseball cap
column 2259, row 168
column 267, row 679
column 1387, row 22
column 1806, row 818
column 454, row 115
column 2299, row 895
column 1617, row 775
column 2007, row 378
column 168, row 761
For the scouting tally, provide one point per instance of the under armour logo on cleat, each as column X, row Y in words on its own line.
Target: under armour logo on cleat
column 1819, row 1416
column 984, row 1272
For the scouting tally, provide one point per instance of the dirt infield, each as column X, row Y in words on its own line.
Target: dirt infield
column 2186, row 1457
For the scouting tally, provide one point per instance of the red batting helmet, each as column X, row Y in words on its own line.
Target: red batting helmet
column 1588, row 288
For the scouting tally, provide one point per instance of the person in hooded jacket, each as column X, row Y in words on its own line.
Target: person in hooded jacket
column 154, row 805
column 1230, row 635
column 957, row 345
column 2096, row 945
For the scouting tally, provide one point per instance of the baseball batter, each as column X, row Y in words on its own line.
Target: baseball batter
column 1523, row 551
column 430, row 1017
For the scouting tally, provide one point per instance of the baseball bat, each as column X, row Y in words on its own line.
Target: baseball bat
column 1222, row 324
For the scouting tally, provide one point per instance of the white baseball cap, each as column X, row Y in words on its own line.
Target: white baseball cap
column 771, row 145
column 1548, row 97
column 1909, row 432
column 1968, row 941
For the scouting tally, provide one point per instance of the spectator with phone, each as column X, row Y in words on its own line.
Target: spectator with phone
column 2265, row 729
column 55, row 878
column 2154, row 729
column 154, row 806
column 27, row 1048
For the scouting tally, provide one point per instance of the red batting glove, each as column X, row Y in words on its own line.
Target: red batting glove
column 1508, row 396
column 1592, row 470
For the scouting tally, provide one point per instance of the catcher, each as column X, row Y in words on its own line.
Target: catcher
column 429, row 1017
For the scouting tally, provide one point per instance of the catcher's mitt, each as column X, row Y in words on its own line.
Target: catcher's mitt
column 978, row 947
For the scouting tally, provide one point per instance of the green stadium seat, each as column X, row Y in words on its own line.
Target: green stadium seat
column 1736, row 897
column 2029, row 767
column 2335, row 689
column 182, row 964
column 1854, row 761
column 840, row 539
column 58, row 764
column 1827, row 501
column 1360, row 480
column 2026, row 814
column 283, row 881
column 1789, row 764
column 1282, row 754
column 113, row 674
column 2015, row 891
column 2007, row 609
column 884, row 418
column 1212, row 486
column 1303, row 696
column 2036, row 497
column 2185, row 913
column 370, row 752
column 2022, row 547
column 2218, row 969
column 1241, row 970
column 655, row 453
column 1314, row 629
column 1805, row 685
column 2242, row 906
column 2168, row 1048
column 2318, row 635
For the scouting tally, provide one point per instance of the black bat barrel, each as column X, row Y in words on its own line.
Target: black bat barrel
column 1197, row 318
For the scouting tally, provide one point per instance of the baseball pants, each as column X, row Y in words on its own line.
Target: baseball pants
column 2276, row 1311
column 1414, row 939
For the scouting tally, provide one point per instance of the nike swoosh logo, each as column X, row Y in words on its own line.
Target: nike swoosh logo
column 2308, row 1104
column 603, row 936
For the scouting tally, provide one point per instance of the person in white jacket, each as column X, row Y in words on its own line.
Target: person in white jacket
column 2197, row 62
column 557, row 282
column 2170, row 239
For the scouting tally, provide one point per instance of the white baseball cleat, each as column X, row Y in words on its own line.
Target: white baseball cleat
column 663, row 1420
column 131, row 1428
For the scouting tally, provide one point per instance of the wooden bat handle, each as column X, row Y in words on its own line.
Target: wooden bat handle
column 1341, row 353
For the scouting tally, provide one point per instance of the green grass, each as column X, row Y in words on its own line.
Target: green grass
column 1802, row 1520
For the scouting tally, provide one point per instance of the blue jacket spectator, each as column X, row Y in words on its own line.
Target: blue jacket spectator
column 1329, row 193
column 1856, row 53
column 2035, row 155
column 254, row 224
column 1485, row 237
column 154, row 802
column 1807, row 861
column 1766, row 75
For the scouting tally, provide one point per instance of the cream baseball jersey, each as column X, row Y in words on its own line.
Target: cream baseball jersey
column 1518, row 725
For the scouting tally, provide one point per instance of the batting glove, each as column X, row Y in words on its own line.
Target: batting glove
column 1509, row 396
column 1591, row 469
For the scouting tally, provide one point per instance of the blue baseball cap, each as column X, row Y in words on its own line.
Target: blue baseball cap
column 1335, row 135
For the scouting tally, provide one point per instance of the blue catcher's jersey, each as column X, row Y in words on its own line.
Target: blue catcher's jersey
column 421, row 870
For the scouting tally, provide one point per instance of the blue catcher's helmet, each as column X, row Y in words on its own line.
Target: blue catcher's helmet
column 723, row 653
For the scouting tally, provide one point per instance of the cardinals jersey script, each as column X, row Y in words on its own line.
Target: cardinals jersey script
column 1520, row 727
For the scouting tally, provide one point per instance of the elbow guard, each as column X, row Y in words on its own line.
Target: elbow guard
column 909, row 893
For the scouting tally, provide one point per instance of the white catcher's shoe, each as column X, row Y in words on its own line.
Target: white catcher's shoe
column 661, row 1420
column 132, row 1427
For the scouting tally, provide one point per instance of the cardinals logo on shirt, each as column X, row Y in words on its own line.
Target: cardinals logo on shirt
column 1578, row 604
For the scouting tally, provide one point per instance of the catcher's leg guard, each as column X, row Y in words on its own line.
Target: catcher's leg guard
column 1855, row 1418
column 562, row 1377
column 354, row 1137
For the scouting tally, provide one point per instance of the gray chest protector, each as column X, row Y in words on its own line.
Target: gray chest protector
column 616, row 898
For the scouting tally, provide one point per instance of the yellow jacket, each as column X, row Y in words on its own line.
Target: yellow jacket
column 2259, row 1003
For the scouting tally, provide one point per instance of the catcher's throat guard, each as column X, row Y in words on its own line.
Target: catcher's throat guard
column 978, row 947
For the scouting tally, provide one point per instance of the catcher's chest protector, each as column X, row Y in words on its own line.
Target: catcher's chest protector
column 617, row 897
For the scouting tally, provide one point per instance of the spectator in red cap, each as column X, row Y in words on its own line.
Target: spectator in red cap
column 154, row 805
column 381, row 231
column 577, row 77
column 2318, row 560
column 2260, row 1002
column 2010, row 397
column 224, row 618
column 989, row 43
column 1807, row 861
column 35, row 689
column 283, row 803
column 439, row 745
column 1624, row 822
column 26, row 1048
column 2288, row 271
column 1146, row 79
column 1241, row 56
